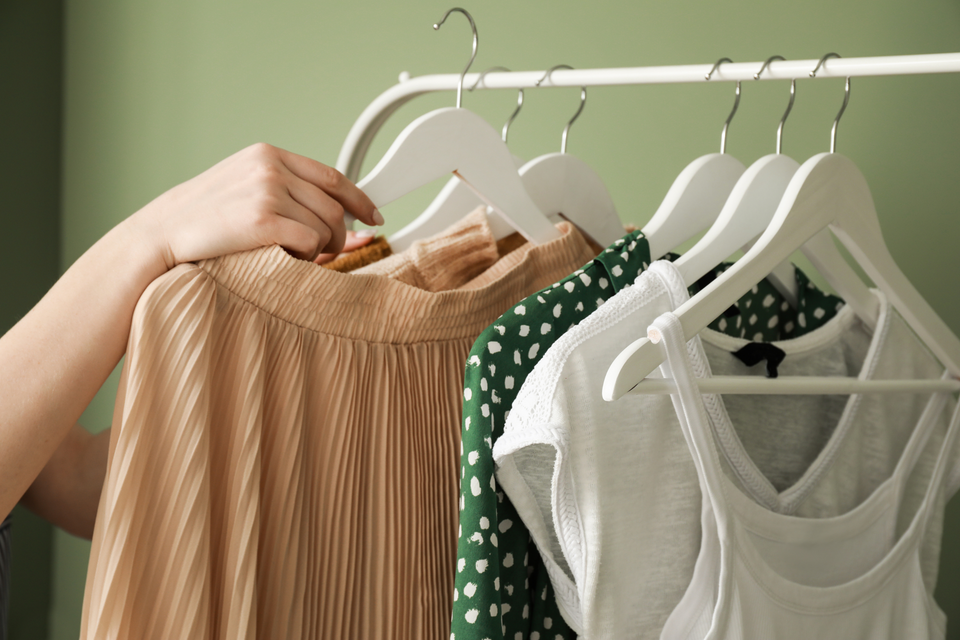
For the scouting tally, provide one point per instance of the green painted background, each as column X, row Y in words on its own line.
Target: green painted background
column 31, row 53
column 154, row 93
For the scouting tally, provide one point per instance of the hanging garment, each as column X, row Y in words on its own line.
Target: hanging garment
column 376, row 250
column 454, row 259
column 514, row 241
column 283, row 455
column 609, row 489
column 502, row 588
column 763, row 574
column 444, row 262
column 764, row 315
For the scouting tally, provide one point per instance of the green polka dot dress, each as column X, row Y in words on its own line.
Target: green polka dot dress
column 502, row 591
column 763, row 315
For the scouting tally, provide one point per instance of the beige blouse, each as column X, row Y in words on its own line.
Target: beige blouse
column 284, row 458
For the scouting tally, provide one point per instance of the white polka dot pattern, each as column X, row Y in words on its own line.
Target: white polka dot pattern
column 489, row 577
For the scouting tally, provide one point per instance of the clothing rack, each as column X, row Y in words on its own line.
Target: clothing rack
column 374, row 116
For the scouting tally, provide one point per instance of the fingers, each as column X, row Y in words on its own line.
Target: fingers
column 333, row 183
column 355, row 240
column 301, row 240
column 327, row 210
column 324, row 219
column 259, row 196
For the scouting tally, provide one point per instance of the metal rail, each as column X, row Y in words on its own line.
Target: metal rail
column 365, row 128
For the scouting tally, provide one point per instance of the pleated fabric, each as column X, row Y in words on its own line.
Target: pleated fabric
column 284, row 453
column 447, row 260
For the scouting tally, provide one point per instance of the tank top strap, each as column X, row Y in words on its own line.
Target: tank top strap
column 692, row 414
column 917, row 444
column 928, row 508
column 694, row 423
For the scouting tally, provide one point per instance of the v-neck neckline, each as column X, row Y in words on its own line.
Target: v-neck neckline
column 729, row 443
column 735, row 516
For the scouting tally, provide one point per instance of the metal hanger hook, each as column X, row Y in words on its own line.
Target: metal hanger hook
column 793, row 95
column 483, row 74
column 736, row 103
column 506, row 125
column 843, row 107
column 583, row 101
column 566, row 129
column 716, row 66
column 473, row 27
column 813, row 74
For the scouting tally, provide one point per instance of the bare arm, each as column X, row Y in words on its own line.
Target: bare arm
column 67, row 491
column 55, row 359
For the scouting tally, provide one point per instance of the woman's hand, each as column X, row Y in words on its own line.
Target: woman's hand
column 55, row 359
column 355, row 240
column 259, row 196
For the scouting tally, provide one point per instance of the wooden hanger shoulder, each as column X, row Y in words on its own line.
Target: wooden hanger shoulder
column 454, row 201
column 693, row 202
column 560, row 183
column 827, row 190
column 457, row 140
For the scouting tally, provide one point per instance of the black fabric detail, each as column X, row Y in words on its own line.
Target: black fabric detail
column 707, row 278
column 754, row 352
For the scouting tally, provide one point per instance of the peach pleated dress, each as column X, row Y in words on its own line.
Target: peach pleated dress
column 284, row 459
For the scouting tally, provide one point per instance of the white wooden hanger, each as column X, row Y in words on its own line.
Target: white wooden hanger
column 697, row 195
column 744, row 216
column 562, row 184
column 457, row 198
column 748, row 212
column 827, row 190
column 458, row 141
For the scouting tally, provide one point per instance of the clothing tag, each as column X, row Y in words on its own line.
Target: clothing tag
column 754, row 352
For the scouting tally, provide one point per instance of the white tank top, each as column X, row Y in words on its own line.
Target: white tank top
column 762, row 574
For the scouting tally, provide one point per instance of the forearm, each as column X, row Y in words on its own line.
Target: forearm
column 55, row 359
column 67, row 491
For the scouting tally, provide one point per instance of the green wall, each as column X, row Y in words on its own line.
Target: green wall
column 156, row 92
column 31, row 55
